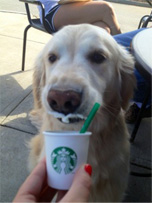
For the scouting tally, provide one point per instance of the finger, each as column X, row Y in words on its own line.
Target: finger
column 60, row 195
column 36, row 180
column 47, row 194
column 33, row 185
column 80, row 189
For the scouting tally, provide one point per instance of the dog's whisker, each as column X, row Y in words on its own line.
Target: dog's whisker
column 70, row 118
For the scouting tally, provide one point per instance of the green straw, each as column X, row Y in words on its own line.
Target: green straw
column 90, row 118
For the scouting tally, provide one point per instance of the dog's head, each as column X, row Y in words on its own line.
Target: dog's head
column 81, row 65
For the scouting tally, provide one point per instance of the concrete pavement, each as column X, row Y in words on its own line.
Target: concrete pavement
column 16, row 101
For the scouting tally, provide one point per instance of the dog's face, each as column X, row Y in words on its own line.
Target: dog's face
column 82, row 65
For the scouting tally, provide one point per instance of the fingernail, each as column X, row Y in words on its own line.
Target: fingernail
column 88, row 169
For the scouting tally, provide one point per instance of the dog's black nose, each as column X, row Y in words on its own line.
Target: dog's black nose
column 64, row 101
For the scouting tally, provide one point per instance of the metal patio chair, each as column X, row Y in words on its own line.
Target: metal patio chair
column 33, row 22
column 146, row 19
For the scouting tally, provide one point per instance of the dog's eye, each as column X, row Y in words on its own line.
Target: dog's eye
column 97, row 57
column 52, row 58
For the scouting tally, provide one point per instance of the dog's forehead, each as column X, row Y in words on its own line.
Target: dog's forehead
column 84, row 33
column 81, row 39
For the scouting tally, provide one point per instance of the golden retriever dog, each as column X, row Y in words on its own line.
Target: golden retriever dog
column 79, row 66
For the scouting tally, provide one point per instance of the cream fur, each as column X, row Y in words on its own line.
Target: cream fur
column 109, row 83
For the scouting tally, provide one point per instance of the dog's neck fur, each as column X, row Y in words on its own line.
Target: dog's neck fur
column 111, row 134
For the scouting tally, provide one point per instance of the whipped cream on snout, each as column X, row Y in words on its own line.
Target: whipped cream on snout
column 66, row 118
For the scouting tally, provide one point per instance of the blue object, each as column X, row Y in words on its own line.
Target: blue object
column 125, row 40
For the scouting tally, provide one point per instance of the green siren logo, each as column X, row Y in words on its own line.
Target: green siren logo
column 63, row 159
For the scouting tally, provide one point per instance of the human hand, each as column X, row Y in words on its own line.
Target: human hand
column 35, row 188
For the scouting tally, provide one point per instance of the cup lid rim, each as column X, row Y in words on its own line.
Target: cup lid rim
column 70, row 133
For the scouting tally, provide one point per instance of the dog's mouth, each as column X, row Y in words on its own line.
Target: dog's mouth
column 69, row 118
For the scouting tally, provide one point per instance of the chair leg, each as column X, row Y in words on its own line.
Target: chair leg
column 133, row 135
column 24, row 46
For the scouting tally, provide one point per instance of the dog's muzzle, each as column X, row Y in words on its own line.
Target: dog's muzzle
column 64, row 105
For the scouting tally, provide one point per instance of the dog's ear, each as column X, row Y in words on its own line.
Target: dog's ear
column 127, row 78
column 38, row 80
column 39, row 70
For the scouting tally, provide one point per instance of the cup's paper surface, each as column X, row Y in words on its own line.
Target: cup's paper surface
column 65, row 152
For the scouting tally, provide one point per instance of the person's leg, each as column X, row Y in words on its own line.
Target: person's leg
column 125, row 39
column 98, row 13
column 102, row 25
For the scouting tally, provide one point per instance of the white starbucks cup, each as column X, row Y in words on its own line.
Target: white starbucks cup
column 65, row 152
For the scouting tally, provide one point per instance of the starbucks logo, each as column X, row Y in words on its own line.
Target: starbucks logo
column 63, row 160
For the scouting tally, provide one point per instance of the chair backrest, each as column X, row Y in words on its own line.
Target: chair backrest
column 145, row 20
column 35, row 22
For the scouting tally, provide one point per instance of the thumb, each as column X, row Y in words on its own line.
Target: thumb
column 80, row 188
